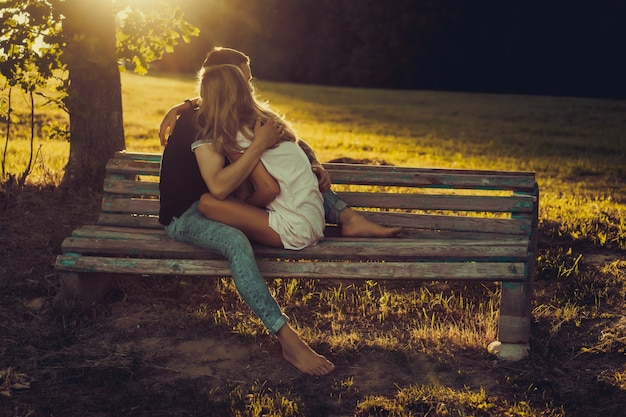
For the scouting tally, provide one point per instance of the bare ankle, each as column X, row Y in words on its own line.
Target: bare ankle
column 354, row 224
column 299, row 354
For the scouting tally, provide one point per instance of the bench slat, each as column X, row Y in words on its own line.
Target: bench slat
column 483, row 271
column 129, row 167
column 517, row 203
column 115, row 244
column 386, row 168
column 512, row 204
column 127, row 220
column 333, row 231
column 149, row 164
column 131, row 187
column 431, row 178
column 408, row 220
column 517, row 226
column 130, row 205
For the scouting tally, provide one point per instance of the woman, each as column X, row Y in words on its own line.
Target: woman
column 227, row 113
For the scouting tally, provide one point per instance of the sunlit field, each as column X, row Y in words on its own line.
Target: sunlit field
column 577, row 147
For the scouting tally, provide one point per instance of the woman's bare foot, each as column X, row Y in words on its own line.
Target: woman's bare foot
column 300, row 355
column 354, row 224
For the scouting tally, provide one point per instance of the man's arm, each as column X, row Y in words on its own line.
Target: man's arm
column 169, row 121
column 322, row 176
column 222, row 181
column 263, row 187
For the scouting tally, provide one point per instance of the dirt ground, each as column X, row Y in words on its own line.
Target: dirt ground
column 146, row 351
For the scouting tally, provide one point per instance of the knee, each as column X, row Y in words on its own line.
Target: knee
column 206, row 204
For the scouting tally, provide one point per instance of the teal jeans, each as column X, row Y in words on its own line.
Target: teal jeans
column 193, row 227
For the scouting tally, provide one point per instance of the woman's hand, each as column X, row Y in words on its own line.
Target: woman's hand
column 268, row 133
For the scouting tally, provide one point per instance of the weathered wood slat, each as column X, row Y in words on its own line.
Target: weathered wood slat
column 496, row 204
column 133, row 167
column 482, row 271
column 517, row 226
column 130, row 205
column 119, row 211
column 92, row 228
column 138, row 156
column 156, row 158
column 149, row 164
column 387, row 168
column 116, row 244
column 510, row 204
column 333, row 231
column 431, row 179
column 127, row 220
column 159, row 235
column 131, row 187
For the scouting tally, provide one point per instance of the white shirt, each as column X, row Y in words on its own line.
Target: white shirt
column 297, row 213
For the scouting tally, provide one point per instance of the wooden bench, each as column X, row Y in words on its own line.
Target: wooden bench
column 459, row 225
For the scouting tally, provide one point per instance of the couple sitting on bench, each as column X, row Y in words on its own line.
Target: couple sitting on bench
column 273, row 191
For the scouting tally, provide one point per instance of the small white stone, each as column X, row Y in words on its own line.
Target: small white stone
column 508, row 351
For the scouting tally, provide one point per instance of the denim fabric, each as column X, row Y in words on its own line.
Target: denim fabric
column 332, row 206
column 217, row 237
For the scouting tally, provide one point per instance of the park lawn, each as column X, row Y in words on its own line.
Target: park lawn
column 401, row 350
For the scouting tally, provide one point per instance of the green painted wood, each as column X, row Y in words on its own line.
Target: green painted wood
column 127, row 244
column 430, row 271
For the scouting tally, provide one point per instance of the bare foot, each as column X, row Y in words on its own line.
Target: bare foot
column 354, row 224
column 300, row 355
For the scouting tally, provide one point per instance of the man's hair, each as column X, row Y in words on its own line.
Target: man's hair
column 221, row 56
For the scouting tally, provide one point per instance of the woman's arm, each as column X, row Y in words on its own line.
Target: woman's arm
column 221, row 180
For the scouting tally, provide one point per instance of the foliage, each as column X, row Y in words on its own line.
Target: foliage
column 70, row 40
column 32, row 42
column 147, row 32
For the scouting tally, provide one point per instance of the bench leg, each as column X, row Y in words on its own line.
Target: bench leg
column 514, row 324
column 86, row 288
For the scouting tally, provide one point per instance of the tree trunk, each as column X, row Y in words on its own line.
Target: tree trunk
column 94, row 92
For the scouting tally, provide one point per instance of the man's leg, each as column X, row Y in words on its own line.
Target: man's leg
column 351, row 222
column 194, row 228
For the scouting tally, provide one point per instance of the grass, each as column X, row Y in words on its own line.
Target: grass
column 404, row 349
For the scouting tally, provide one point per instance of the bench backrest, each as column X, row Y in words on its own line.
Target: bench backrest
column 464, row 202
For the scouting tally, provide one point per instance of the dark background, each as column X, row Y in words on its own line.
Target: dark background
column 574, row 48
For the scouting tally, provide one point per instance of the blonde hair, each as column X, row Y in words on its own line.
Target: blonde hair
column 228, row 105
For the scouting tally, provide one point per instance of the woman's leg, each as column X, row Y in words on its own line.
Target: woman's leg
column 193, row 227
column 353, row 223
column 251, row 220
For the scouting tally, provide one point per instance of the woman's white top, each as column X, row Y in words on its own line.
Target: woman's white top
column 297, row 213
